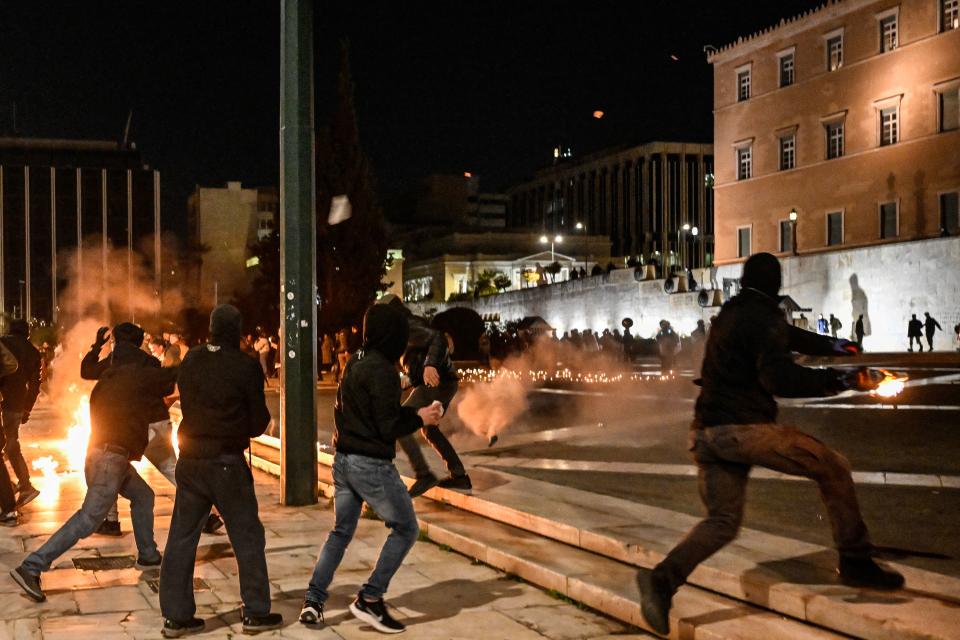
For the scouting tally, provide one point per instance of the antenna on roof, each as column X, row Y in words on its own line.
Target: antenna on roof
column 126, row 131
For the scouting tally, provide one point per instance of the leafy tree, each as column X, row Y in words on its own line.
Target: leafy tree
column 502, row 282
column 261, row 306
column 351, row 256
column 484, row 284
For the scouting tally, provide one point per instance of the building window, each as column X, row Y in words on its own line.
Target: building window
column 949, row 15
column 888, row 220
column 834, row 140
column 743, row 242
column 888, row 33
column 788, row 152
column 834, row 228
column 949, row 109
column 744, row 163
column 950, row 212
column 743, row 85
column 786, row 69
column 786, row 236
column 835, row 52
column 889, row 126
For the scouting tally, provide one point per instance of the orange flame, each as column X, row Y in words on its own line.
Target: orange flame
column 890, row 387
column 78, row 435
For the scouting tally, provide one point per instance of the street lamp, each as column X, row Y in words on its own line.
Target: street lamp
column 793, row 230
column 556, row 239
column 582, row 228
column 680, row 260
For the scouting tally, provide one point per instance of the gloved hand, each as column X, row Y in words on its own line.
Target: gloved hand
column 862, row 379
column 845, row 347
column 102, row 337
column 24, row 417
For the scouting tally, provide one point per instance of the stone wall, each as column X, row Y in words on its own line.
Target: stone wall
column 886, row 283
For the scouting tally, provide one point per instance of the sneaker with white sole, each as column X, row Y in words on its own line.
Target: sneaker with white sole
column 312, row 611
column 376, row 615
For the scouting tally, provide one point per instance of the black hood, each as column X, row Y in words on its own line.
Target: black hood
column 129, row 333
column 386, row 329
column 225, row 325
column 20, row 328
column 761, row 271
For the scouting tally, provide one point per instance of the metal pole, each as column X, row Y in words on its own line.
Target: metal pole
column 3, row 264
column 133, row 316
column 103, row 245
column 25, row 311
column 157, row 248
column 53, row 245
column 298, row 288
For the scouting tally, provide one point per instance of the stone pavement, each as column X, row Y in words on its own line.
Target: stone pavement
column 438, row 593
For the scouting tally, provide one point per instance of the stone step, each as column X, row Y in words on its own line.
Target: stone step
column 598, row 582
column 790, row 577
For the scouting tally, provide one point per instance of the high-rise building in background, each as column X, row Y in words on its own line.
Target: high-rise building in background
column 839, row 128
column 66, row 208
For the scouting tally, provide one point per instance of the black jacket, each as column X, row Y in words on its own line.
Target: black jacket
column 368, row 415
column 748, row 361
column 92, row 368
column 427, row 347
column 20, row 389
column 221, row 396
column 122, row 401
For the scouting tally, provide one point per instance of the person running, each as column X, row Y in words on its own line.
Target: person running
column 748, row 361
column 119, row 413
column 368, row 419
column 222, row 398
column 19, row 391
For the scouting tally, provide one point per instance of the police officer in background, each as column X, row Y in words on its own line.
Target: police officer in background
column 221, row 396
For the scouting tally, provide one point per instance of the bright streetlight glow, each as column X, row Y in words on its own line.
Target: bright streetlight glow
column 543, row 239
column 579, row 226
column 695, row 231
column 793, row 215
column 686, row 227
column 558, row 239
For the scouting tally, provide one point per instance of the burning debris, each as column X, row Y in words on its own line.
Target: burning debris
column 890, row 387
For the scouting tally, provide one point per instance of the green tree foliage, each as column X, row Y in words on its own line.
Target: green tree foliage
column 351, row 256
column 502, row 282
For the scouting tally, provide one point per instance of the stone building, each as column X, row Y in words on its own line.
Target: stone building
column 641, row 197
column 848, row 116
column 66, row 208
column 225, row 222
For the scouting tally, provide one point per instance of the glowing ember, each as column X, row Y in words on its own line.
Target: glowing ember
column 560, row 375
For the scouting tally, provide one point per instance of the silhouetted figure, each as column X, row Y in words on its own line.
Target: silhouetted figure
column 914, row 332
column 835, row 325
column 930, row 327
column 804, row 323
column 597, row 270
column 610, row 267
column 822, row 326
column 858, row 331
column 583, row 272
column 668, row 343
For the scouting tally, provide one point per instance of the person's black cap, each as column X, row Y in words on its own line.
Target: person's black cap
column 761, row 271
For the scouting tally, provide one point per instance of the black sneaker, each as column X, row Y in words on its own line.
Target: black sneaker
column 312, row 611
column 376, row 615
column 9, row 519
column 214, row 523
column 29, row 583
column 149, row 563
column 865, row 573
column 655, row 600
column 172, row 629
column 256, row 624
column 423, row 484
column 109, row 528
column 458, row 483
column 27, row 496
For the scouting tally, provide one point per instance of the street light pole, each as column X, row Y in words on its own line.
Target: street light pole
column 793, row 230
column 582, row 228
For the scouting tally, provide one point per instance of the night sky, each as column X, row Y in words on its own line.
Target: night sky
column 488, row 87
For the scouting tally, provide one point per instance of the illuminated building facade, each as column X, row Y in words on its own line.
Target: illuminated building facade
column 849, row 117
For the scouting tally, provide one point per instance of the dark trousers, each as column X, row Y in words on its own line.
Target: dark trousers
column 919, row 342
column 11, row 448
column 930, row 340
column 421, row 397
column 227, row 484
column 724, row 455
column 8, row 501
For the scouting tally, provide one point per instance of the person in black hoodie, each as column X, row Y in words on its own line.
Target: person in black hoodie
column 369, row 419
column 20, row 390
column 747, row 362
column 221, row 396
column 119, row 414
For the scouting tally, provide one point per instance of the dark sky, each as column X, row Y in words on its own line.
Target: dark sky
column 484, row 86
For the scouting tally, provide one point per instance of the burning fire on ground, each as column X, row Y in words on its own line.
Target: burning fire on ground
column 890, row 387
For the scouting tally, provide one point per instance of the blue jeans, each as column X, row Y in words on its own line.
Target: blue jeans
column 358, row 479
column 107, row 474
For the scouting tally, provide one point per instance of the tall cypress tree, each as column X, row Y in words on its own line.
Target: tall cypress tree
column 351, row 256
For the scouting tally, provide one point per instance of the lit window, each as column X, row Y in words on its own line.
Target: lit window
column 743, row 242
column 949, row 109
column 744, row 163
column 835, row 52
column 788, row 154
column 743, row 85
column 950, row 212
column 888, row 33
column 949, row 15
column 786, row 70
column 834, row 140
column 786, row 236
column 834, row 228
column 888, row 220
column 889, row 126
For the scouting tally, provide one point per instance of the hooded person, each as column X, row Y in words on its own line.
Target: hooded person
column 19, row 391
column 747, row 362
column 223, row 405
column 368, row 420
column 430, row 370
column 121, row 406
